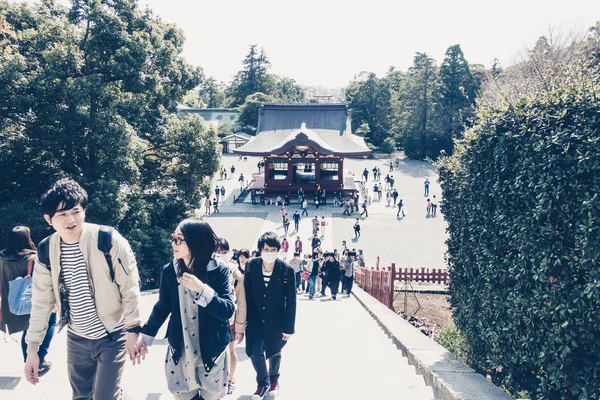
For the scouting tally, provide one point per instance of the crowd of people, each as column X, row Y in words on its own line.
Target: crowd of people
column 213, row 298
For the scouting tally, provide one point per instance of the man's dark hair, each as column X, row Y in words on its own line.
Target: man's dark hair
column 296, row 254
column 66, row 194
column 269, row 239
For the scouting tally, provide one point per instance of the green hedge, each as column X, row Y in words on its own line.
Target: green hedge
column 523, row 210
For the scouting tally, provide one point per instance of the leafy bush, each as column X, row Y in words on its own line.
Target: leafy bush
column 523, row 212
column 454, row 341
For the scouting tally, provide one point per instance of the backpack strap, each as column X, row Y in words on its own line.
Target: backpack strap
column 105, row 246
column 43, row 252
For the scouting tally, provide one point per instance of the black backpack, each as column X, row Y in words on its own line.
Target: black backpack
column 104, row 245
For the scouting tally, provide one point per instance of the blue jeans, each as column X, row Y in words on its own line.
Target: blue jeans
column 43, row 350
column 312, row 284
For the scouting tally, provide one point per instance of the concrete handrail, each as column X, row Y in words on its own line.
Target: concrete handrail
column 449, row 378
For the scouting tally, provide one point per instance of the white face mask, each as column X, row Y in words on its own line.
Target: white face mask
column 222, row 257
column 269, row 257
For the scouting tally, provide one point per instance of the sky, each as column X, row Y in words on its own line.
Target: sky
column 328, row 42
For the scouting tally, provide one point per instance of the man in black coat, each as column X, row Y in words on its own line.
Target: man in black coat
column 271, row 312
column 332, row 269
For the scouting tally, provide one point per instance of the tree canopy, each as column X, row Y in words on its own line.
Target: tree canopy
column 91, row 93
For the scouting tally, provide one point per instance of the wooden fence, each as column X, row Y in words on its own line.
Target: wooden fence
column 379, row 283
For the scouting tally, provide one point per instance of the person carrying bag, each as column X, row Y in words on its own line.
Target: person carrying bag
column 19, row 292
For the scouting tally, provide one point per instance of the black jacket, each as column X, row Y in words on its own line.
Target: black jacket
column 213, row 320
column 332, row 269
column 271, row 310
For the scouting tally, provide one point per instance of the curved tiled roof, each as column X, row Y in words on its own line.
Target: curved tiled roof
column 325, row 127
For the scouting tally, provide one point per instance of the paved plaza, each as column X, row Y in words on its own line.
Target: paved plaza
column 413, row 241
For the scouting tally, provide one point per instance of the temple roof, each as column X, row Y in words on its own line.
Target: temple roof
column 325, row 127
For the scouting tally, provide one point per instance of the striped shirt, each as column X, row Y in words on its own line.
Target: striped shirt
column 83, row 317
column 267, row 277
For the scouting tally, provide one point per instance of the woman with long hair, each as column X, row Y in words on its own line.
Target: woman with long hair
column 196, row 293
column 16, row 261
column 237, row 324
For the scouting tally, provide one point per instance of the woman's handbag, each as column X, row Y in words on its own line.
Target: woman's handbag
column 304, row 275
column 19, row 292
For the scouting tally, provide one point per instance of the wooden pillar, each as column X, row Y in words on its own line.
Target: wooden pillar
column 290, row 176
column 317, row 171
column 341, row 172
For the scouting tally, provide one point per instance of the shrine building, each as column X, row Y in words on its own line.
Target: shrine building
column 304, row 145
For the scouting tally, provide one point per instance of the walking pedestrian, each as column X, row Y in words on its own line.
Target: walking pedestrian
column 237, row 323
column 17, row 261
column 241, row 181
column 253, row 197
column 332, row 270
column 313, row 268
column 379, row 191
column 296, row 265
column 222, row 193
column 391, row 166
column 395, row 196
column 400, row 209
column 217, row 192
column 215, row 205
column 347, row 208
column 388, row 197
column 283, row 212
column 428, row 207
column 304, row 207
column 364, row 207
column 434, row 206
column 286, row 225
column 323, row 223
column 207, row 204
column 232, row 170
column 357, row 229
column 315, row 224
column 271, row 313
column 348, row 278
column 315, row 242
column 392, row 181
column 101, row 334
column 296, row 218
column 426, row 184
column 300, row 195
column 298, row 245
column 366, row 175
column 285, row 247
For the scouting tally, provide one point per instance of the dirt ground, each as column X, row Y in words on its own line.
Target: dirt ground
column 435, row 308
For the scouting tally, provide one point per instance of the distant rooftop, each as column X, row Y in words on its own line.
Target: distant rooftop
column 323, row 126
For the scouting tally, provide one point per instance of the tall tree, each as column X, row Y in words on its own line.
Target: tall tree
column 92, row 89
column 371, row 101
column 248, row 119
column 458, row 90
column 420, row 100
column 212, row 93
column 253, row 77
column 288, row 91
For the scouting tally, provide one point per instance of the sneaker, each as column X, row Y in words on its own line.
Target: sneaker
column 44, row 367
column 274, row 389
column 261, row 392
column 230, row 387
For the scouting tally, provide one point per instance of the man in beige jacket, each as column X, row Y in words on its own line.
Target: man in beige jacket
column 97, row 304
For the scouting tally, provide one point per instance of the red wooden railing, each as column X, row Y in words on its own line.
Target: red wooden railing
column 379, row 283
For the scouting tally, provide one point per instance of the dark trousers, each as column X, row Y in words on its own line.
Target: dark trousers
column 43, row 350
column 347, row 284
column 305, row 211
column 334, row 284
column 259, row 362
column 299, row 280
column 324, row 281
column 296, row 225
column 95, row 366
